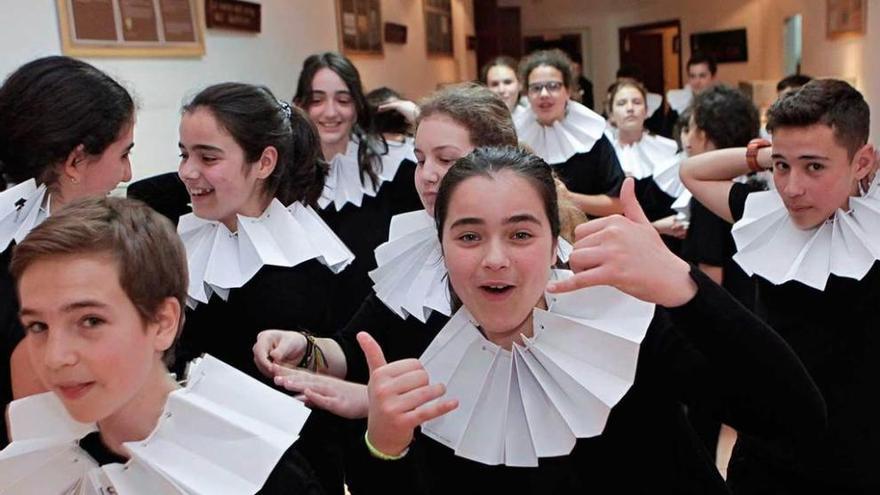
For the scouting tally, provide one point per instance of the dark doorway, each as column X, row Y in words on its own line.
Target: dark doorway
column 654, row 50
column 569, row 43
column 498, row 31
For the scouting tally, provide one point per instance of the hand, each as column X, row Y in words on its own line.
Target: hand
column 562, row 190
column 671, row 227
column 284, row 347
column 626, row 252
column 408, row 109
column 400, row 398
column 340, row 397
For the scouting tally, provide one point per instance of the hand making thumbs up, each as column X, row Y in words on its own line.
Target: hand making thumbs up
column 401, row 398
column 626, row 252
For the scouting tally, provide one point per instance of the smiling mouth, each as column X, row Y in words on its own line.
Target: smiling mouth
column 497, row 289
column 196, row 192
column 74, row 391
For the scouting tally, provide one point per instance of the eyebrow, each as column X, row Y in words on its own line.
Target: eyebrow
column 322, row 92
column 68, row 307
column 524, row 217
column 801, row 157
column 201, row 147
column 129, row 147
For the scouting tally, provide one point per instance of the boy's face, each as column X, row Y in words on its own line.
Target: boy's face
column 814, row 174
column 700, row 77
column 86, row 341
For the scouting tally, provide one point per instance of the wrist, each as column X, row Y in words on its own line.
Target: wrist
column 753, row 154
column 383, row 452
column 682, row 287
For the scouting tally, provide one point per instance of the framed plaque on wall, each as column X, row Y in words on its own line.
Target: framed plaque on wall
column 438, row 27
column 360, row 27
column 131, row 28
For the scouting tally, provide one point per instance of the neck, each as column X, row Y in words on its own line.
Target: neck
column 332, row 149
column 137, row 419
column 254, row 209
column 627, row 137
column 505, row 340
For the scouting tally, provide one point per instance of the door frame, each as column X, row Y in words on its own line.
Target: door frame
column 586, row 44
column 626, row 30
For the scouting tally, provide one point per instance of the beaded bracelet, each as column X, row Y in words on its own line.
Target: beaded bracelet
column 378, row 454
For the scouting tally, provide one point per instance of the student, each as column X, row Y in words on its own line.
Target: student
column 824, row 305
column 568, row 135
column 499, row 75
column 103, row 287
column 392, row 124
column 702, row 71
column 495, row 212
column 642, row 154
column 66, row 132
column 369, row 181
column 259, row 255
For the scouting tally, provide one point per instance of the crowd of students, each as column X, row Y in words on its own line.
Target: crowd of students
column 496, row 289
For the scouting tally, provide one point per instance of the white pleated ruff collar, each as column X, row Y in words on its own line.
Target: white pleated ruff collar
column 645, row 157
column 770, row 245
column 220, row 260
column 680, row 99
column 344, row 185
column 576, row 133
column 536, row 400
column 21, row 209
column 410, row 276
column 222, row 434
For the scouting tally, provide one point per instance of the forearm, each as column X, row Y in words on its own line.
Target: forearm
column 597, row 205
column 334, row 357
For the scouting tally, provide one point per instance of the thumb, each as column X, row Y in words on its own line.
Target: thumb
column 631, row 207
column 372, row 351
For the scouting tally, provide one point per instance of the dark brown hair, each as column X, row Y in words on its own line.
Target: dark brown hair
column 555, row 58
column 621, row 83
column 728, row 118
column 499, row 61
column 474, row 107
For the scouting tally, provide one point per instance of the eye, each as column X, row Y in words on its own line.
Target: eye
column 344, row 100
column 781, row 166
column 184, row 156
column 815, row 166
column 209, row 158
column 522, row 235
column 34, row 327
column 92, row 321
column 469, row 237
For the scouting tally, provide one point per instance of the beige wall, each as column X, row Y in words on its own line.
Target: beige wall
column 407, row 68
column 846, row 58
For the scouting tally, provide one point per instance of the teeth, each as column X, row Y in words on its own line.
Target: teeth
column 200, row 191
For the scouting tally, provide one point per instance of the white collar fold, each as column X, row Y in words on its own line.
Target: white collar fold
column 343, row 184
column 196, row 448
column 644, row 157
column 537, row 399
column 770, row 245
column 21, row 209
column 680, row 99
column 410, row 276
column 220, row 260
column 576, row 133
column 667, row 177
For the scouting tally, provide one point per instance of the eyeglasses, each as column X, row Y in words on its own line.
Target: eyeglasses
column 552, row 87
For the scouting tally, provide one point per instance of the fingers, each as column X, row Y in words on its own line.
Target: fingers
column 373, row 353
column 631, row 207
column 266, row 340
column 430, row 411
column 582, row 280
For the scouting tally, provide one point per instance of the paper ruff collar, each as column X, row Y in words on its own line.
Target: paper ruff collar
column 20, row 211
column 536, row 400
column 196, row 448
column 410, row 276
column 645, row 157
column 680, row 99
column 220, row 260
column 343, row 184
column 576, row 133
column 770, row 245
column 667, row 177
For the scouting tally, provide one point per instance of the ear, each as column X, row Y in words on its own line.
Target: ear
column 268, row 162
column 555, row 252
column 864, row 161
column 74, row 166
column 166, row 323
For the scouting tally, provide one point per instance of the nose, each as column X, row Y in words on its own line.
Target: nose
column 330, row 108
column 495, row 257
column 58, row 350
column 187, row 170
column 545, row 91
column 793, row 184
column 126, row 171
column 430, row 172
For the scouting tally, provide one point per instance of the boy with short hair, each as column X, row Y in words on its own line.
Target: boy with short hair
column 813, row 244
column 102, row 286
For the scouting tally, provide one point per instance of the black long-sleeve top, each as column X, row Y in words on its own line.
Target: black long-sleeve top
column 710, row 351
column 363, row 229
column 12, row 334
column 836, row 333
column 595, row 172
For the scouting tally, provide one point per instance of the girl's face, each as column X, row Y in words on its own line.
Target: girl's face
column 439, row 142
column 628, row 110
column 331, row 108
column 694, row 139
column 548, row 95
column 499, row 252
column 220, row 183
column 86, row 341
column 503, row 82
column 100, row 174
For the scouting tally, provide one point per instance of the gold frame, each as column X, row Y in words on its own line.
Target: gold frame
column 355, row 52
column 120, row 49
column 853, row 14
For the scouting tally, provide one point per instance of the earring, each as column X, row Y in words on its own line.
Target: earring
column 74, row 180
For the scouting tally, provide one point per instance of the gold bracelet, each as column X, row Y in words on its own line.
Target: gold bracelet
column 378, row 454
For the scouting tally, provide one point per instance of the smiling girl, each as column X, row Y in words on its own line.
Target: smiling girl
column 503, row 353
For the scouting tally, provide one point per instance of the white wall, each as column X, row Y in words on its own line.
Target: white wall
column 291, row 30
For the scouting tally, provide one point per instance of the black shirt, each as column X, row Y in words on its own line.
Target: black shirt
column 836, row 333
column 12, row 334
column 691, row 354
column 595, row 172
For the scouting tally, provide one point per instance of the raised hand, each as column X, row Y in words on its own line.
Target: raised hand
column 282, row 347
column 340, row 397
column 401, row 398
column 626, row 252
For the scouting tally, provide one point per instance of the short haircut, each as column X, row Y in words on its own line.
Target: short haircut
column 793, row 81
column 477, row 109
column 728, row 118
column 149, row 255
column 621, row 83
column 828, row 102
column 390, row 121
column 703, row 58
column 555, row 58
